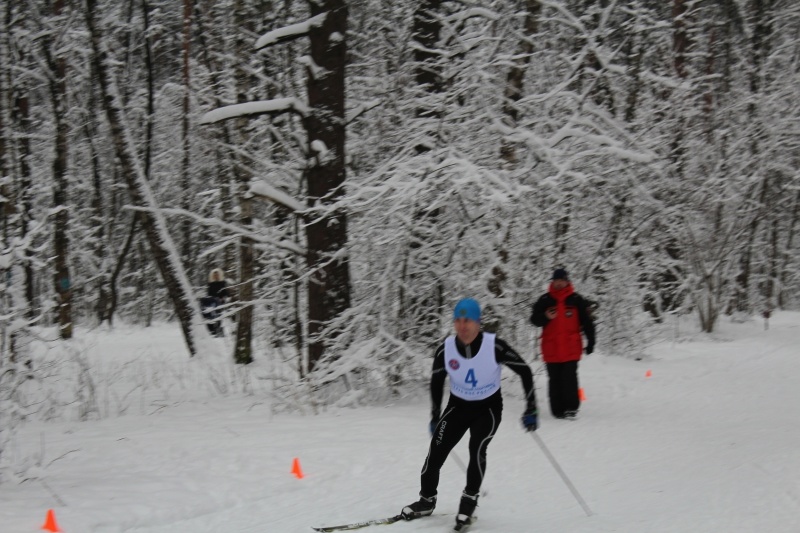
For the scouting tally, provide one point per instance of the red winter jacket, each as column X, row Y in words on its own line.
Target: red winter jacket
column 561, row 336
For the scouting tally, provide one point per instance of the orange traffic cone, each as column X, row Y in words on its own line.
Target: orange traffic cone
column 50, row 522
column 296, row 470
column 648, row 374
column 581, row 395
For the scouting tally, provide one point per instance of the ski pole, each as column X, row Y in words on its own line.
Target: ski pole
column 560, row 471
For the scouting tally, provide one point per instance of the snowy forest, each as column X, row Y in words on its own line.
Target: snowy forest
column 355, row 167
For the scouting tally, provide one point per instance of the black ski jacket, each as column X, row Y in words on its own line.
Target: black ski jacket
column 503, row 354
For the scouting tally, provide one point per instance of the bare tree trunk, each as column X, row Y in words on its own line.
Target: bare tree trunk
column 161, row 244
column 21, row 112
column 599, row 88
column 58, row 94
column 785, row 269
column 508, row 150
column 742, row 298
column 425, row 33
column 772, row 267
column 6, row 194
column 98, row 213
column 299, row 339
column 762, row 30
column 223, row 159
column 680, row 37
column 329, row 283
column 151, row 106
column 243, row 351
column 516, row 76
column 420, row 305
column 186, row 226
column 634, row 49
column 16, row 207
column 112, row 283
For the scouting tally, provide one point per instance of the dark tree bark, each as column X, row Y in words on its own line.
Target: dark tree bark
column 512, row 93
column 123, row 255
column 425, row 34
column 759, row 48
column 98, row 209
column 600, row 89
column 151, row 90
column 420, row 304
column 243, row 351
column 62, row 283
column 329, row 282
column 785, row 268
column 22, row 119
column 224, row 166
column 516, row 76
column 6, row 192
column 187, row 253
column 680, row 37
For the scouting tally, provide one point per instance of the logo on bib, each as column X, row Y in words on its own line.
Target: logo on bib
column 454, row 364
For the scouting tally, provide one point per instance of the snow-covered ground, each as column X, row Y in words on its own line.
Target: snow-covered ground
column 709, row 442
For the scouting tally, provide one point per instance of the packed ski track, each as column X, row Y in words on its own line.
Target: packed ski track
column 706, row 442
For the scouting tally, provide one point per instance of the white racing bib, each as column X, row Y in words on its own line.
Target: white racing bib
column 476, row 378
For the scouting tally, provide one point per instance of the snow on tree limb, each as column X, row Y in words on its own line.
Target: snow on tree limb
column 232, row 228
column 315, row 71
column 278, row 105
column 291, row 32
column 361, row 109
column 263, row 189
column 471, row 12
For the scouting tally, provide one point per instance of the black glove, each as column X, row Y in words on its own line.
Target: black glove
column 589, row 349
column 530, row 420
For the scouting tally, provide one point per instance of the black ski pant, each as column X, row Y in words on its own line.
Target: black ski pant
column 482, row 419
column 208, row 305
column 563, row 387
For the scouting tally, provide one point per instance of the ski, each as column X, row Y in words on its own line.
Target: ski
column 359, row 525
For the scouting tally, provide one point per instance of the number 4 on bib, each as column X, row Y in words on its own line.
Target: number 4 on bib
column 470, row 379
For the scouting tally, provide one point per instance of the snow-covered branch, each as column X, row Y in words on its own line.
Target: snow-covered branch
column 232, row 228
column 261, row 107
column 263, row 189
column 291, row 32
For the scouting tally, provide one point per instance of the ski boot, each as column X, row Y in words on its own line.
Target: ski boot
column 418, row 509
column 466, row 509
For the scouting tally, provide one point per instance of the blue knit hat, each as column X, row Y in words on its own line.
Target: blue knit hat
column 560, row 273
column 467, row 308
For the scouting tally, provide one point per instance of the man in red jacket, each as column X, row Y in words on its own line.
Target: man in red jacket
column 563, row 315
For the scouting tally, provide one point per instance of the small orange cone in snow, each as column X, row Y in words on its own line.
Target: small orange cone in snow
column 296, row 470
column 648, row 374
column 50, row 522
column 581, row 395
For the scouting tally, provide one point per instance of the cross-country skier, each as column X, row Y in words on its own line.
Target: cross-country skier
column 472, row 359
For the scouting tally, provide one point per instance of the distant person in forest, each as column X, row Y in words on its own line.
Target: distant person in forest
column 563, row 315
column 472, row 359
column 216, row 295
